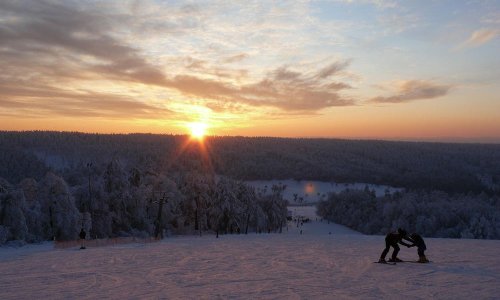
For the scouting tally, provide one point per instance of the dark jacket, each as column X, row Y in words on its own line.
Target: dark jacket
column 417, row 240
column 394, row 237
column 82, row 234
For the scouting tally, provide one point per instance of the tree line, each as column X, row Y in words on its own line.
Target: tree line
column 111, row 201
column 53, row 183
column 429, row 213
column 453, row 168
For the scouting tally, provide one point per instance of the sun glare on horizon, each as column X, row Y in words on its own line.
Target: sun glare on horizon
column 198, row 130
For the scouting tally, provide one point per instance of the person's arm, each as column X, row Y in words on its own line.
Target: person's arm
column 405, row 244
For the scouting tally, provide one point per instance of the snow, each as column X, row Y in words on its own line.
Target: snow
column 313, row 191
column 316, row 226
column 312, row 265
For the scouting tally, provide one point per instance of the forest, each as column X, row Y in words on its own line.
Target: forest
column 431, row 214
column 54, row 183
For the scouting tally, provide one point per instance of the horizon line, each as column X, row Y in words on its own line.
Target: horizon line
column 444, row 140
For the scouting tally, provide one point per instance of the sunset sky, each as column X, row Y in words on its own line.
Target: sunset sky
column 410, row 70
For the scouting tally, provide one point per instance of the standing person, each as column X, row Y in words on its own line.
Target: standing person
column 391, row 240
column 83, row 234
column 419, row 242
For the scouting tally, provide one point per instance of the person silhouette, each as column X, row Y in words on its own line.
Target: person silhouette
column 83, row 234
column 418, row 241
column 391, row 240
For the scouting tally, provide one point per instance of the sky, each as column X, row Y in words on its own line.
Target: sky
column 368, row 69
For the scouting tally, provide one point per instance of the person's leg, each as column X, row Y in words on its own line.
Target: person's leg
column 421, row 255
column 395, row 252
column 386, row 250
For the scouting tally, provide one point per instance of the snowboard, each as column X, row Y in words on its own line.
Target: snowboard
column 386, row 263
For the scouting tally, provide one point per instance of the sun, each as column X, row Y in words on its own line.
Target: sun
column 198, row 130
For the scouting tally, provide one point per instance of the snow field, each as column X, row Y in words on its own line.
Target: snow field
column 314, row 265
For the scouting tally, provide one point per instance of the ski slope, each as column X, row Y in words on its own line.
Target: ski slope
column 326, row 261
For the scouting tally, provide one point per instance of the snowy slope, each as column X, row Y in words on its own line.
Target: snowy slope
column 314, row 265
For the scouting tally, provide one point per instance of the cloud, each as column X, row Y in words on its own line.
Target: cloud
column 377, row 3
column 46, row 45
column 292, row 90
column 236, row 58
column 411, row 90
column 283, row 73
column 282, row 88
column 49, row 45
column 45, row 33
column 332, row 69
column 398, row 22
column 38, row 99
column 207, row 68
column 481, row 37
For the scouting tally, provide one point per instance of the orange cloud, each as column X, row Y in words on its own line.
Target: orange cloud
column 54, row 44
column 411, row 90
column 481, row 37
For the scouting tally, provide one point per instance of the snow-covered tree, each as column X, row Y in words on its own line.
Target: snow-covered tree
column 434, row 214
column 60, row 217
column 12, row 206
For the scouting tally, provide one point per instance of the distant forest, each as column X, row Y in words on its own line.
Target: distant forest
column 52, row 183
column 453, row 168
column 432, row 214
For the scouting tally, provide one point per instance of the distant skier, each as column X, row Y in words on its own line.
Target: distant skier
column 391, row 240
column 83, row 234
column 419, row 242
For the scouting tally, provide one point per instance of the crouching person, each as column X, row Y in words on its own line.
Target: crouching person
column 418, row 241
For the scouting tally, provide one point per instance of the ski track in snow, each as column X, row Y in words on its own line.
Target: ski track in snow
column 314, row 265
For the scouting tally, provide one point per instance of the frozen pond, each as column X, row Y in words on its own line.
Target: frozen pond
column 301, row 192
